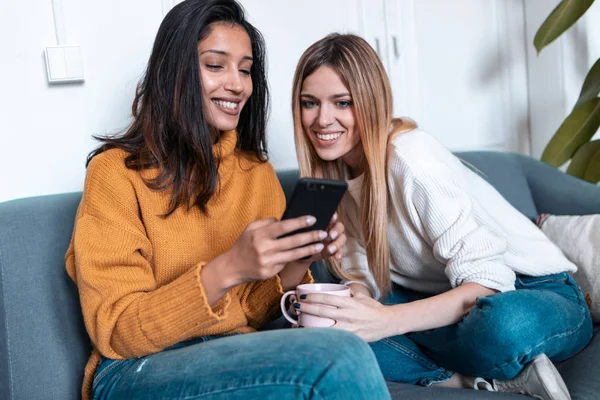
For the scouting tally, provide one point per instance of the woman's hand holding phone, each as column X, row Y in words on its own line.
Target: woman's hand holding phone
column 261, row 252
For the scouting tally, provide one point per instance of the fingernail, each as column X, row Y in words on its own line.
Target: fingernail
column 302, row 297
column 333, row 235
column 332, row 249
column 296, row 306
column 319, row 247
column 311, row 220
column 322, row 235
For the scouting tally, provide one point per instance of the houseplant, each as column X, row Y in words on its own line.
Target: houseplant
column 573, row 139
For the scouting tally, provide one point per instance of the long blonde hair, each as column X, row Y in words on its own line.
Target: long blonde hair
column 363, row 73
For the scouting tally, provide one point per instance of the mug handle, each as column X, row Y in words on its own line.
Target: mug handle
column 284, row 310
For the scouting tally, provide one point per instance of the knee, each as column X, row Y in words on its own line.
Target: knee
column 342, row 353
column 345, row 363
column 502, row 332
column 340, row 346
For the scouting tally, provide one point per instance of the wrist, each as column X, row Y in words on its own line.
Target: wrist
column 226, row 276
column 292, row 274
column 398, row 325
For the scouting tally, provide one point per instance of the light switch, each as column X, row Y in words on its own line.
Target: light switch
column 73, row 62
column 64, row 64
column 55, row 63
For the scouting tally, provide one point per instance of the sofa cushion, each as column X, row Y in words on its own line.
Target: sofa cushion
column 578, row 237
column 581, row 372
column 41, row 326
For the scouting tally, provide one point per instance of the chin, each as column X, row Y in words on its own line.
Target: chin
column 327, row 155
column 226, row 125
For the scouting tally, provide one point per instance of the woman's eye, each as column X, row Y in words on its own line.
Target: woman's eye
column 212, row 67
column 245, row 71
column 307, row 104
column 344, row 104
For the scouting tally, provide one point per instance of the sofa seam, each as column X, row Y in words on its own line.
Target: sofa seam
column 527, row 180
column 6, row 329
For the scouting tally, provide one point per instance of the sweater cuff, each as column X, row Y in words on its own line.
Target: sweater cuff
column 261, row 303
column 180, row 309
column 490, row 284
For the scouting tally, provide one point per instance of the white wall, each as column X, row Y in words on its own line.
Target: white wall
column 46, row 130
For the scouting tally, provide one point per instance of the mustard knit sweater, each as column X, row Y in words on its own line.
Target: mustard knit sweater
column 138, row 274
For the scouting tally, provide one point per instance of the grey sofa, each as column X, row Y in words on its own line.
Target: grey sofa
column 43, row 343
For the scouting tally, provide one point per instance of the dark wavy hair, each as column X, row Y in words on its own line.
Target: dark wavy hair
column 169, row 129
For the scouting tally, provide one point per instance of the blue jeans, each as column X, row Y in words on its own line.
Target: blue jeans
column 279, row 364
column 495, row 340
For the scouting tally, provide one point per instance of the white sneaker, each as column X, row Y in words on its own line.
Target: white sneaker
column 539, row 379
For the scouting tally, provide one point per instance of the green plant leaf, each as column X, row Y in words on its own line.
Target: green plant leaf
column 591, row 85
column 586, row 162
column 559, row 20
column 576, row 130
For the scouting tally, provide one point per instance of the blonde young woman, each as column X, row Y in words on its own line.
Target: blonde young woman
column 470, row 293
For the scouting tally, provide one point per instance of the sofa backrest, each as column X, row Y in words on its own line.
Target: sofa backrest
column 504, row 172
column 43, row 343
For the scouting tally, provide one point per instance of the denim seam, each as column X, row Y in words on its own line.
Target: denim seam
column 537, row 282
column 559, row 335
column 444, row 376
column 105, row 372
column 410, row 353
column 198, row 396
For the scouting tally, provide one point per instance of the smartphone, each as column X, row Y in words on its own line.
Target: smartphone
column 317, row 197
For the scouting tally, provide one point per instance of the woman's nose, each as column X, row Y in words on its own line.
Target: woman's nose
column 233, row 81
column 325, row 116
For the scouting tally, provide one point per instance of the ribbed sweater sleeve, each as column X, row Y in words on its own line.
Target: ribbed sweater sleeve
column 125, row 313
column 439, row 204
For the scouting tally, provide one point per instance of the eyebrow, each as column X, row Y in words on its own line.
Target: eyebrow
column 224, row 53
column 335, row 96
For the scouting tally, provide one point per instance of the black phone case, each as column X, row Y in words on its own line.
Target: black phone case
column 317, row 197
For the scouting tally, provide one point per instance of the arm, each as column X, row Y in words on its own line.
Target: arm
column 125, row 312
column 261, row 295
column 373, row 321
column 293, row 274
column 440, row 205
column 434, row 312
column 441, row 208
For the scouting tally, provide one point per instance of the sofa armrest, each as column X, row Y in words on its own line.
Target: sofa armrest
column 555, row 192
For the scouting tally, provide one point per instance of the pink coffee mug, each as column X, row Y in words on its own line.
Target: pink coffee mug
column 311, row 320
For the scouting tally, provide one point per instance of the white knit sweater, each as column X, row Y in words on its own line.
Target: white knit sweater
column 447, row 226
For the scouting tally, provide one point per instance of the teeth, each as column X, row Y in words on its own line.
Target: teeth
column 331, row 136
column 226, row 104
